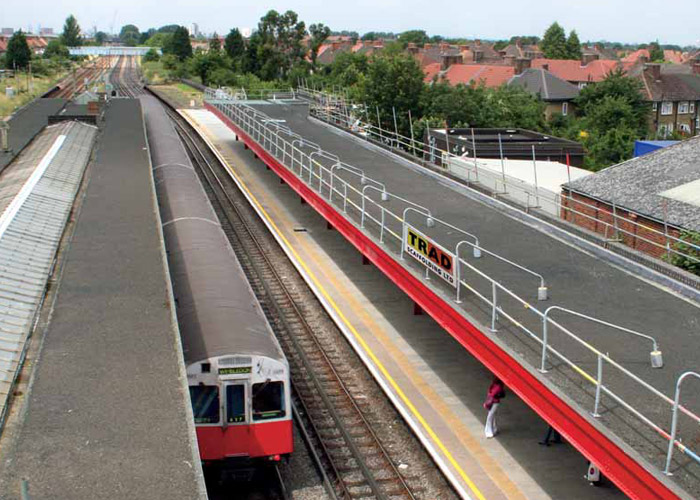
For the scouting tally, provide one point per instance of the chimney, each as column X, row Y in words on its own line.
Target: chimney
column 545, row 66
column 518, row 43
column 449, row 60
column 477, row 43
column 412, row 48
column 521, row 64
column 478, row 55
column 463, row 48
column 335, row 45
column 367, row 43
column 696, row 69
column 444, row 46
column 653, row 71
column 588, row 57
column 428, row 46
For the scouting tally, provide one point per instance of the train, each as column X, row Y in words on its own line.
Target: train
column 237, row 373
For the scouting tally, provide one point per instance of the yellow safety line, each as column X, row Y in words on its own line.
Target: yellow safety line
column 364, row 345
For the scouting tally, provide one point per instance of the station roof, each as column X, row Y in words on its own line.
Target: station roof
column 656, row 185
column 36, row 198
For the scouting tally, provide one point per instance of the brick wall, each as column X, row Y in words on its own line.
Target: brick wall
column 635, row 231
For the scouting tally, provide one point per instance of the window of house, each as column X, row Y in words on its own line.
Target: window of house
column 684, row 128
column 582, row 85
column 564, row 108
column 666, row 108
column 654, row 106
column 683, row 108
column 691, row 108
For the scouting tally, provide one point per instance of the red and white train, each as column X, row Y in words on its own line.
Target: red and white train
column 237, row 374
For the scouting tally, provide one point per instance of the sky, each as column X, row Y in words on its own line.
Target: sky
column 626, row 21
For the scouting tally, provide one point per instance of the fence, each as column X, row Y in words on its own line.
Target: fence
column 615, row 226
column 348, row 189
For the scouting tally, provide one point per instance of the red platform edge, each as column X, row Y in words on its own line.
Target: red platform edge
column 631, row 477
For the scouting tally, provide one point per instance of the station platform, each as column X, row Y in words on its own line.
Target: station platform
column 437, row 385
column 106, row 411
column 576, row 279
column 26, row 123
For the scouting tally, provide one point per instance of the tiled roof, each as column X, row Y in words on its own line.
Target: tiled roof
column 673, row 56
column 544, row 84
column 637, row 184
column 671, row 86
column 431, row 70
column 636, row 56
column 571, row 70
column 490, row 75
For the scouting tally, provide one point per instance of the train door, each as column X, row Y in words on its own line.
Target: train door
column 237, row 426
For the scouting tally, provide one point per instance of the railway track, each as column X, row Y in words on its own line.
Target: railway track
column 350, row 457
column 75, row 83
column 348, row 450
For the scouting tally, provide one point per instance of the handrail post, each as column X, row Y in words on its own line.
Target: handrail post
column 598, row 386
column 674, row 420
column 543, row 367
column 381, row 230
column 494, row 307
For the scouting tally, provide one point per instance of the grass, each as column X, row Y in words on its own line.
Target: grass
column 23, row 95
column 181, row 94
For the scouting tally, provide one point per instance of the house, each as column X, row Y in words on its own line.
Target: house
column 557, row 94
column 578, row 72
column 478, row 74
column 329, row 51
column 674, row 94
column 517, row 50
column 650, row 196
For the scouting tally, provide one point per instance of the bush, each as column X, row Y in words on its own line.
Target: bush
column 691, row 263
column 151, row 55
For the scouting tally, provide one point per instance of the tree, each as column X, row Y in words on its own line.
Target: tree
column 281, row 36
column 151, row 55
column 159, row 40
column 18, row 54
column 554, row 42
column 129, row 35
column 394, row 82
column 319, row 34
column 234, row 45
column 71, row 32
column 215, row 43
column 202, row 64
column 251, row 62
column 656, row 54
column 178, row 44
column 419, row 37
column 688, row 257
column 56, row 49
column 100, row 37
column 573, row 46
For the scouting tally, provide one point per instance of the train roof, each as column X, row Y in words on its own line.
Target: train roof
column 217, row 311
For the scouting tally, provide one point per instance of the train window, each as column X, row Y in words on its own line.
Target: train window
column 205, row 403
column 235, row 403
column 268, row 400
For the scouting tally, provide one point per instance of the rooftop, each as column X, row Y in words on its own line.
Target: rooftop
column 489, row 75
column 643, row 184
column 572, row 70
column 544, row 84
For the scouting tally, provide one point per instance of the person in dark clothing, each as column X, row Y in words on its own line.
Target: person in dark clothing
column 551, row 436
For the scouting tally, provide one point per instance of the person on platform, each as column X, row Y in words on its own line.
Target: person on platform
column 496, row 392
column 552, row 436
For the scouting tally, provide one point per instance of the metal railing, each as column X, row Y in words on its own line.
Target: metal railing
column 338, row 110
column 304, row 160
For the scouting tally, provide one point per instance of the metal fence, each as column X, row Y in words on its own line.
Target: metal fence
column 365, row 202
column 338, row 110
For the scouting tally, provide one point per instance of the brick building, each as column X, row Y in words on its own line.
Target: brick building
column 645, row 198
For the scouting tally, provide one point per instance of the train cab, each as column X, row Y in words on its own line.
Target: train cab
column 242, row 408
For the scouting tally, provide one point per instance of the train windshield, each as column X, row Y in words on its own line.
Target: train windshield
column 268, row 400
column 205, row 403
column 235, row 403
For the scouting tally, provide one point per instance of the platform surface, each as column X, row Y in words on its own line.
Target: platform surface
column 577, row 280
column 106, row 414
column 443, row 383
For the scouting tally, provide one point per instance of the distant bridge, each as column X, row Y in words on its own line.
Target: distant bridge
column 110, row 51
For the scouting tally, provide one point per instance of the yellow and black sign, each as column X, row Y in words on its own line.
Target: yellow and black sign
column 236, row 370
column 430, row 254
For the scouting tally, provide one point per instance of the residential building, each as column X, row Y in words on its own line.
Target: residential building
column 674, row 94
column 478, row 74
column 517, row 50
column 557, row 94
column 578, row 72
column 648, row 197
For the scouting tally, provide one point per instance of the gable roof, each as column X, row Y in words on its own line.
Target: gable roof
column 430, row 71
column 671, row 86
column 490, row 75
column 571, row 70
column 544, row 84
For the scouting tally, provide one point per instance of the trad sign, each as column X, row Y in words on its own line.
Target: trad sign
column 430, row 254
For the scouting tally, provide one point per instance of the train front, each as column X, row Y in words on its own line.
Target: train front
column 242, row 408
